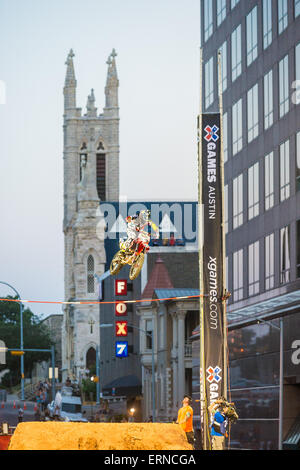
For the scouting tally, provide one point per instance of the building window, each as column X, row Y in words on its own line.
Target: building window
column 269, row 181
column 236, row 53
column 226, row 208
column 237, row 127
column 234, row 3
column 148, row 336
column 208, row 19
column 282, row 15
column 90, row 275
column 284, row 171
column 238, row 201
column 238, row 275
column 161, row 331
column 253, row 191
column 297, row 8
column 209, row 82
column 252, row 105
column 298, row 162
column 285, row 261
column 267, row 23
column 268, row 99
column 283, row 86
column 101, row 177
column 251, row 22
column 253, row 268
column 225, row 137
column 298, row 250
column 223, row 51
column 221, row 11
column 269, row 262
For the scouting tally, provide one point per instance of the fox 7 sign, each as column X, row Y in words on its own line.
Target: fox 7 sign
column 120, row 309
column 120, row 287
column 121, row 348
column 121, row 328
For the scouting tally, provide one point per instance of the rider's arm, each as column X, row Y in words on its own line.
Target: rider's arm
column 155, row 228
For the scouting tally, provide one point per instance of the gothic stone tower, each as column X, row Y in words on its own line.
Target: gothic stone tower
column 91, row 175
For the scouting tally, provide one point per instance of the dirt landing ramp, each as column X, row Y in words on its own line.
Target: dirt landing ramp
column 98, row 436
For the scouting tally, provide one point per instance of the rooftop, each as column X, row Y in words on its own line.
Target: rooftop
column 159, row 278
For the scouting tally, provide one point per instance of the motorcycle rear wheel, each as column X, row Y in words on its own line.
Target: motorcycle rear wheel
column 116, row 264
column 136, row 267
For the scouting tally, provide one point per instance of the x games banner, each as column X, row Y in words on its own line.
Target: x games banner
column 212, row 360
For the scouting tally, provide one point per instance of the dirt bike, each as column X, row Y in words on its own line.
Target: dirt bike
column 134, row 256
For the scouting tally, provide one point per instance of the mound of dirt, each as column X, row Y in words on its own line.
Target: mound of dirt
column 98, row 436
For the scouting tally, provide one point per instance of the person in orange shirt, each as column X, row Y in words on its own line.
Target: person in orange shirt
column 185, row 419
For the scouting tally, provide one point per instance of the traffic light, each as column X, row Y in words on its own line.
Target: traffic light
column 17, row 353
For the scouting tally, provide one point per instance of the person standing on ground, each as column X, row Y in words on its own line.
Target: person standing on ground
column 185, row 419
column 20, row 415
column 219, row 424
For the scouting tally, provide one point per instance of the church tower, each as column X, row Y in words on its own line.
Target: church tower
column 91, row 176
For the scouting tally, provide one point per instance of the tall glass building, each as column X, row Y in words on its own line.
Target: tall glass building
column 259, row 42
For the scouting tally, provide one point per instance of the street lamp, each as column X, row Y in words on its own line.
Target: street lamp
column 151, row 335
column 132, row 410
column 21, row 337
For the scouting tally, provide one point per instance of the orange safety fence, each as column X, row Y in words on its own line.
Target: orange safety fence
column 76, row 302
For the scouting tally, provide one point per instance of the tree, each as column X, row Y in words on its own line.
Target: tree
column 35, row 336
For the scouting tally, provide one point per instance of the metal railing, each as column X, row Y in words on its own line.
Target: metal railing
column 188, row 349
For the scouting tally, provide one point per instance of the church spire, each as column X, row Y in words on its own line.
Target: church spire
column 112, row 82
column 70, row 83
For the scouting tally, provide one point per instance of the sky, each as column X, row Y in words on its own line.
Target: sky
column 157, row 43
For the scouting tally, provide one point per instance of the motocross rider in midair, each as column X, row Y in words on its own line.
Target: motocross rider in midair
column 135, row 224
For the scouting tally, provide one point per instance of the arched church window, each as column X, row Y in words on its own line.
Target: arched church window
column 90, row 358
column 101, row 176
column 90, row 275
column 101, row 171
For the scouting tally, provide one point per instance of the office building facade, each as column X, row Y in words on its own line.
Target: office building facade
column 259, row 43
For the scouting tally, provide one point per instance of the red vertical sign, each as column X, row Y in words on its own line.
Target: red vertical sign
column 120, row 287
column 120, row 309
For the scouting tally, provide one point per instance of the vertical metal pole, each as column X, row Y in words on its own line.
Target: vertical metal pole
column 153, row 378
column 98, row 374
column 220, row 92
column 280, row 386
column 200, row 245
column 22, row 346
column 53, row 371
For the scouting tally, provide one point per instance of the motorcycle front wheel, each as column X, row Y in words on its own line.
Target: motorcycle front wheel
column 116, row 264
column 136, row 267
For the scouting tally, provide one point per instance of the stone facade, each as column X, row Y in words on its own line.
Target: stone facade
column 88, row 139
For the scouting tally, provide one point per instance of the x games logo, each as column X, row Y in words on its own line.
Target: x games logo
column 211, row 133
column 213, row 374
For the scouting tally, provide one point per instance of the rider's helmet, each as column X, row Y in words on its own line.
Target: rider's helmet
column 145, row 215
